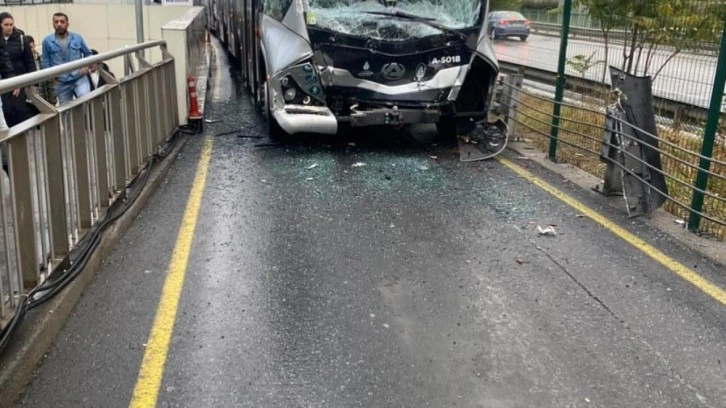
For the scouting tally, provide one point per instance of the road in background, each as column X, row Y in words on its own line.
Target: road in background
column 687, row 78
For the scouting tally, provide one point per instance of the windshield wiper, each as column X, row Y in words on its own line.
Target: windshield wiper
column 423, row 20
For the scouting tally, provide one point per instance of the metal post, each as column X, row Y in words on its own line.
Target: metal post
column 510, row 102
column 560, row 89
column 709, row 136
column 139, row 7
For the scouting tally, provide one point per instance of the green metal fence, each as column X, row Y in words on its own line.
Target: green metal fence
column 681, row 45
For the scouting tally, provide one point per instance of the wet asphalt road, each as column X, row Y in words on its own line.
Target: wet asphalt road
column 412, row 281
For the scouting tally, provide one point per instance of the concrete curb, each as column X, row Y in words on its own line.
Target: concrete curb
column 661, row 220
column 41, row 326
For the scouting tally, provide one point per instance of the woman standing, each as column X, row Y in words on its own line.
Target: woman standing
column 15, row 105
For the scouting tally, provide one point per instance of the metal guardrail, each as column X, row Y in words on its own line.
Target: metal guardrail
column 539, row 27
column 67, row 165
column 678, row 113
column 616, row 36
column 581, row 135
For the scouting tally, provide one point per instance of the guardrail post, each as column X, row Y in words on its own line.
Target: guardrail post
column 709, row 136
column 510, row 101
column 22, row 200
column 561, row 79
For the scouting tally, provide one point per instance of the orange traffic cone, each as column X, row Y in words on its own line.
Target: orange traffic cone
column 193, row 103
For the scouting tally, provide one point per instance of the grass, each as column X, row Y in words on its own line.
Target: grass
column 580, row 135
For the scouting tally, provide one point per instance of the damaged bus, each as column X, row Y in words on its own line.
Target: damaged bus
column 315, row 65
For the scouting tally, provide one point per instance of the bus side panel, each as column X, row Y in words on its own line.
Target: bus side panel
column 254, row 51
column 251, row 45
column 244, row 41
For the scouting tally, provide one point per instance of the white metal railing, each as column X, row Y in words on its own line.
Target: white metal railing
column 67, row 165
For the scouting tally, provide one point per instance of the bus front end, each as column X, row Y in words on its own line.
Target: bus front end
column 377, row 62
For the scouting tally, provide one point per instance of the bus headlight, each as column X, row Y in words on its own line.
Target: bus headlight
column 290, row 94
column 300, row 84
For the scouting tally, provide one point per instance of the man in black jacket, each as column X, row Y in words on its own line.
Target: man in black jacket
column 6, row 71
column 15, row 105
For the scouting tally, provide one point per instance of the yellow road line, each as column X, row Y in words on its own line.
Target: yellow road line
column 152, row 366
column 674, row 266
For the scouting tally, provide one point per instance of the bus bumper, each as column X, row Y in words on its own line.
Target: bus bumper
column 306, row 119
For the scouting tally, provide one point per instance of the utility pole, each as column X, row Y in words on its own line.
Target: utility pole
column 139, row 7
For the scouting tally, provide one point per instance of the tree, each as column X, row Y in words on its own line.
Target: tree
column 611, row 15
column 673, row 26
column 515, row 5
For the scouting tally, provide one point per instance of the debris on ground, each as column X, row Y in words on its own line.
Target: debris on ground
column 468, row 140
column 681, row 222
column 212, row 120
column 358, row 164
column 312, row 166
column 228, row 132
column 521, row 261
column 548, row 231
column 351, row 144
column 423, row 168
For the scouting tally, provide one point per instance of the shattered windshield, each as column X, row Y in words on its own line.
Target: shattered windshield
column 368, row 19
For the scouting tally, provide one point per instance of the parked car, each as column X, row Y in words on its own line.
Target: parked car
column 504, row 24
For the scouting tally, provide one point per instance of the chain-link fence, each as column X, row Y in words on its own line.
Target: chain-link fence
column 678, row 44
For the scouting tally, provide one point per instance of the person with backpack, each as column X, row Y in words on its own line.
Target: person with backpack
column 45, row 89
column 94, row 78
column 15, row 105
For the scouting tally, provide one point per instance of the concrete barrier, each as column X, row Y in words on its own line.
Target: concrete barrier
column 186, row 40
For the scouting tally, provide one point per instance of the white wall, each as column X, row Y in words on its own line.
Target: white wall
column 105, row 27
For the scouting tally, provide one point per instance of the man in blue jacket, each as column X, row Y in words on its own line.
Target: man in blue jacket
column 59, row 48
